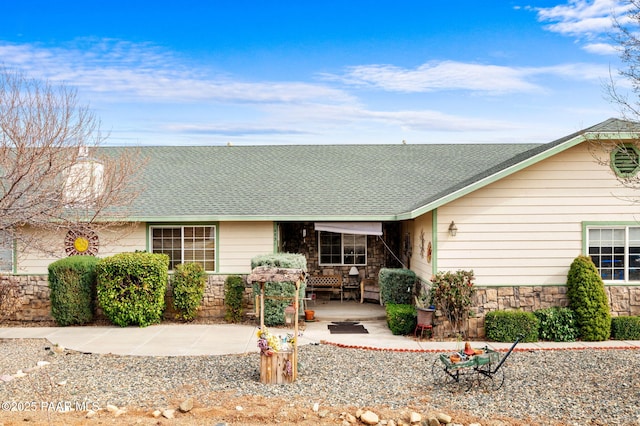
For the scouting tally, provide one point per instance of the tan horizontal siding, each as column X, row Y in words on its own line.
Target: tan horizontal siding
column 117, row 240
column 527, row 228
column 241, row 241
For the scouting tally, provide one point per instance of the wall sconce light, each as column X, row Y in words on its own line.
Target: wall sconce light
column 453, row 229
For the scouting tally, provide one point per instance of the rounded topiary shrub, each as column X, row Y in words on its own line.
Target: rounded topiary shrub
column 187, row 289
column 401, row 318
column 233, row 295
column 507, row 326
column 396, row 285
column 131, row 287
column 588, row 300
column 72, row 282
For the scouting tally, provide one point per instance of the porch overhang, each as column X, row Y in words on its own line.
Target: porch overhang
column 359, row 228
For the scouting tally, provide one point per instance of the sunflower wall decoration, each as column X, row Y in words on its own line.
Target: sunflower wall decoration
column 82, row 242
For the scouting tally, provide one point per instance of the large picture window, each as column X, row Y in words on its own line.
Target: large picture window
column 616, row 252
column 186, row 244
column 342, row 249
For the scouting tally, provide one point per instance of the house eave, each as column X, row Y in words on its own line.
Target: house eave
column 576, row 140
column 265, row 218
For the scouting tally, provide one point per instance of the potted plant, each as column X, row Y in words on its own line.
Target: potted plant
column 424, row 308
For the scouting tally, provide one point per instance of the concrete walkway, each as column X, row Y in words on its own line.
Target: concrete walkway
column 218, row 339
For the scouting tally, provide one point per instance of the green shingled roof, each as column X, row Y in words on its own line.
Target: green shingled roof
column 314, row 182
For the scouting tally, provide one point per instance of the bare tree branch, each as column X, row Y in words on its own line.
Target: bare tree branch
column 53, row 173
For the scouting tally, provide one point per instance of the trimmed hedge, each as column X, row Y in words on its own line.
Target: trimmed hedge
column 588, row 300
column 396, row 285
column 233, row 294
column 72, row 281
column 187, row 289
column 625, row 328
column 280, row 260
column 132, row 286
column 506, row 326
column 274, row 308
column 401, row 318
column 556, row 324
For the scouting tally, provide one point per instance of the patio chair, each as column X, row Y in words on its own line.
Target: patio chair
column 370, row 290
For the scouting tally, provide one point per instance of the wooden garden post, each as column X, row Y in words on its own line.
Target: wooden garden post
column 294, row 368
column 279, row 367
column 261, row 305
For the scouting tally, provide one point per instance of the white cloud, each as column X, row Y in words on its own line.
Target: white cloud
column 445, row 75
column 601, row 48
column 326, row 116
column 115, row 71
column 577, row 71
column 451, row 75
column 582, row 17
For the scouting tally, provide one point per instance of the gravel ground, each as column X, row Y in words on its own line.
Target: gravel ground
column 573, row 387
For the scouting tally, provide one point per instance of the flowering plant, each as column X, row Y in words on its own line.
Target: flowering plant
column 270, row 343
column 452, row 294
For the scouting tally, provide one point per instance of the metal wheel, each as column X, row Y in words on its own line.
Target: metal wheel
column 452, row 380
column 487, row 381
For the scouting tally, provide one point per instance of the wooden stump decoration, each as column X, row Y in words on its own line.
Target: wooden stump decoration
column 277, row 368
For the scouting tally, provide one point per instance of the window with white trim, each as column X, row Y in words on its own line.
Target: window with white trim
column 186, row 244
column 616, row 252
column 6, row 252
column 342, row 249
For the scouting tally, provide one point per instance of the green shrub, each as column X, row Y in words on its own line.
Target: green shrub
column 556, row 324
column 452, row 294
column 233, row 294
column 132, row 286
column 588, row 300
column 282, row 292
column 280, row 260
column 625, row 328
column 187, row 289
column 506, row 326
column 401, row 318
column 72, row 281
column 396, row 285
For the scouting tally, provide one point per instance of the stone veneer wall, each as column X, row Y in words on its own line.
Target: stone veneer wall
column 35, row 304
column 624, row 300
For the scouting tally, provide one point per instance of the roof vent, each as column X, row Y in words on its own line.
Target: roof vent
column 625, row 160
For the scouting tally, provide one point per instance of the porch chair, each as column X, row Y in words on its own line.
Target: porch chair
column 369, row 289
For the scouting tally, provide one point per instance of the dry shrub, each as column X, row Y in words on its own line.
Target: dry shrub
column 9, row 297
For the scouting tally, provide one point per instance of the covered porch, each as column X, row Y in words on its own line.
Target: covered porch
column 336, row 248
column 335, row 310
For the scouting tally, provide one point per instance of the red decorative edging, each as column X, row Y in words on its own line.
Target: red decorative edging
column 574, row 348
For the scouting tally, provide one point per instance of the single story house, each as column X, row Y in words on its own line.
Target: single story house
column 516, row 214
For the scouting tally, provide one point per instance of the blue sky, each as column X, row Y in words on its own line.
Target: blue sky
column 259, row 72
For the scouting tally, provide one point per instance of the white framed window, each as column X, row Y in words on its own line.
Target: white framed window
column 6, row 252
column 615, row 251
column 342, row 249
column 186, row 244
